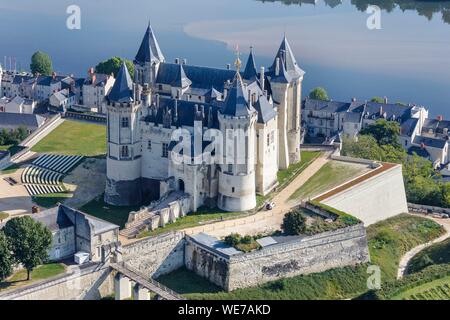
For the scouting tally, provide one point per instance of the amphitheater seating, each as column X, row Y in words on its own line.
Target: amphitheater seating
column 45, row 174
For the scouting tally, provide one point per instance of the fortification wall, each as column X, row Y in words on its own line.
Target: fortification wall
column 378, row 198
column 90, row 283
column 156, row 256
column 347, row 246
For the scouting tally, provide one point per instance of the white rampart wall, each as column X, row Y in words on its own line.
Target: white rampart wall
column 375, row 199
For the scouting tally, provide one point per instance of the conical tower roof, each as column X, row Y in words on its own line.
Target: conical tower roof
column 236, row 103
column 122, row 91
column 286, row 56
column 149, row 51
column 181, row 80
column 250, row 72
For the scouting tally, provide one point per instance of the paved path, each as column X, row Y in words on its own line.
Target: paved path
column 411, row 253
column 264, row 221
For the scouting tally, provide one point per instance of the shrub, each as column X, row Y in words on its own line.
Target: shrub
column 233, row 239
column 294, row 223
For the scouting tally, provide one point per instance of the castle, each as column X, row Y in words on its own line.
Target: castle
column 144, row 113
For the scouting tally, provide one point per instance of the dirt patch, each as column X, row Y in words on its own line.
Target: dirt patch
column 86, row 182
column 14, row 200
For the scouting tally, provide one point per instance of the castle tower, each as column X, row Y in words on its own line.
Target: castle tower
column 148, row 59
column 1, row 79
column 237, row 122
column 123, row 170
column 286, row 81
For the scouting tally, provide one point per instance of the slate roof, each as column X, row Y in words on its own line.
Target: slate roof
column 289, row 68
column 437, row 126
column 20, row 119
column 265, row 110
column 215, row 244
column 408, row 126
column 49, row 80
column 149, row 50
column 201, row 77
column 354, row 117
column 186, row 111
column 181, row 80
column 325, row 106
column 422, row 152
column 430, row 142
column 100, row 80
column 250, row 72
column 122, row 91
column 373, row 109
column 53, row 219
column 236, row 103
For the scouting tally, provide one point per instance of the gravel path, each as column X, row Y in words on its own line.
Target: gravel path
column 411, row 253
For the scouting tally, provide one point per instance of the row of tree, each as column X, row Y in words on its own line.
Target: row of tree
column 380, row 141
column 23, row 241
column 13, row 137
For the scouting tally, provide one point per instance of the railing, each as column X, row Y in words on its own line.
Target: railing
column 86, row 117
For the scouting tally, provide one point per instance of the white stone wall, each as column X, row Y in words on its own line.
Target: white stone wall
column 375, row 199
column 267, row 156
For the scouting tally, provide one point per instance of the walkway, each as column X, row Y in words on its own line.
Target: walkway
column 411, row 253
column 150, row 284
column 264, row 221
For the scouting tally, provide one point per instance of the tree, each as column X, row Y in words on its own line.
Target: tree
column 384, row 131
column 29, row 240
column 377, row 99
column 6, row 260
column 366, row 147
column 41, row 63
column 294, row 223
column 319, row 93
column 112, row 65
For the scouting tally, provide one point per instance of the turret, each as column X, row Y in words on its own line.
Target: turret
column 123, row 184
column 286, row 83
column 148, row 59
column 237, row 121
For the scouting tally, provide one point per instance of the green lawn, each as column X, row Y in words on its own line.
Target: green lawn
column 438, row 253
column 50, row 200
column 3, row 216
column 286, row 176
column 117, row 215
column 388, row 241
column 75, row 138
column 202, row 216
column 329, row 176
column 42, row 272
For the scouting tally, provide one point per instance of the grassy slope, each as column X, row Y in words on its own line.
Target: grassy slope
column 51, row 199
column 117, row 215
column 40, row 273
column 74, row 138
column 435, row 290
column 330, row 175
column 390, row 239
column 438, row 253
column 285, row 176
column 405, row 232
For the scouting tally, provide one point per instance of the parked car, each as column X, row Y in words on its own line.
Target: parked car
column 270, row 205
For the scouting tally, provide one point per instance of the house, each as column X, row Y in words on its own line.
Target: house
column 17, row 105
column 12, row 121
column 95, row 89
column 74, row 231
column 62, row 100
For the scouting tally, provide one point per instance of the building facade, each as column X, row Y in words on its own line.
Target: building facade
column 173, row 106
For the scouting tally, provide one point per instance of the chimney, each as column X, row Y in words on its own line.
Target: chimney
column 440, row 118
column 228, row 66
column 184, row 61
column 177, row 61
column 277, row 67
column 53, row 75
column 381, row 111
column 385, row 100
column 353, row 99
column 261, row 78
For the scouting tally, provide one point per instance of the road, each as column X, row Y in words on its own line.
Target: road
column 264, row 221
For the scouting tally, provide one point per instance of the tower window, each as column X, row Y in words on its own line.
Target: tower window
column 125, row 122
column 165, row 150
column 232, row 189
column 125, row 152
column 149, row 145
